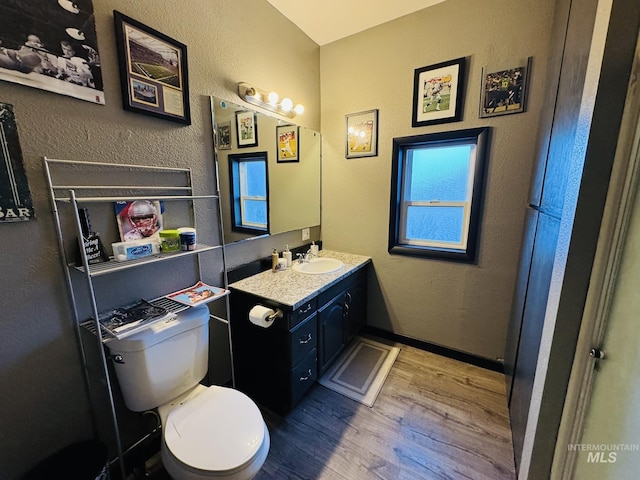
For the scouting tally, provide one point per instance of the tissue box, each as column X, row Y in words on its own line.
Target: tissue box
column 123, row 251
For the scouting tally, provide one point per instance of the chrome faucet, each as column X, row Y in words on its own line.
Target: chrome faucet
column 306, row 257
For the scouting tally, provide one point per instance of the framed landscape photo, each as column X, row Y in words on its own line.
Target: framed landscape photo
column 504, row 91
column 246, row 129
column 224, row 136
column 362, row 134
column 438, row 93
column 153, row 71
column 288, row 141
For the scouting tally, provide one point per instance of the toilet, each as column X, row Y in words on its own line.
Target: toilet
column 207, row 432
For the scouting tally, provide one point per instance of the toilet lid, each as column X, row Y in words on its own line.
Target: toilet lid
column 218, row 430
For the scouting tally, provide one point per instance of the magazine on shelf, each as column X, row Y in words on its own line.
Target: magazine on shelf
column 197, row 295
column 124, row 321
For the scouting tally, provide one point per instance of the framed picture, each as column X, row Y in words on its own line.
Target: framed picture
column 288, row 143
column 224, row 136
column 362, row 134
column 153, row 71
column 246, row 129
column 51, row 46
column 438, row 93
column 504, row 91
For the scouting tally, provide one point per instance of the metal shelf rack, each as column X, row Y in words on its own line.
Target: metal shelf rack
column 75, row 183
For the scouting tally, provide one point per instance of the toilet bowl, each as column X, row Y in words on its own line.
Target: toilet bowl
column 213, row 432
column 207, row 432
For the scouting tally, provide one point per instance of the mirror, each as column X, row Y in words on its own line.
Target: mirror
column 286, row 194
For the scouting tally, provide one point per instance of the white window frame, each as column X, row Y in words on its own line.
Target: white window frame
column 407, row 170
column 403, row 149
column 244, row 198
column 238, row 197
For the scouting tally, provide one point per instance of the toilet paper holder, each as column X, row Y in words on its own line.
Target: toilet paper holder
column 277, row 314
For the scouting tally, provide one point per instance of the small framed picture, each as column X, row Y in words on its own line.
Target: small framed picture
column 153, row 71
column 362, row 134
column 288, row 143
column 438, row 93
column 504, row 91
column 246, row 129
column 224, row 136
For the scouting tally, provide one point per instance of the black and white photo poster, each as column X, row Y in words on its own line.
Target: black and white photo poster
column 15, row 197
column 51, row 45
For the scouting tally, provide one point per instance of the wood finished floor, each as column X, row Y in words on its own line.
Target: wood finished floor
column 435, row 418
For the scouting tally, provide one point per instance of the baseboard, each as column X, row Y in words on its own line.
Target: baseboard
column 482, row 362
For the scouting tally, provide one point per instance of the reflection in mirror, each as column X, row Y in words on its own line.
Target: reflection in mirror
column 290, row 200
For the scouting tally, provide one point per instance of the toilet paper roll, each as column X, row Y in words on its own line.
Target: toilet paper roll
column 258, row 315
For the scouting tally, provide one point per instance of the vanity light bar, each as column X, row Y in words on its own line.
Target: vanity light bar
column 269, row 101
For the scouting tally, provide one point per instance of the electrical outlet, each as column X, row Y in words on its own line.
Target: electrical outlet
column 305, row 234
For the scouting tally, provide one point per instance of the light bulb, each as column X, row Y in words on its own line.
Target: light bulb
column 273, row 98
column 287, row 104
column 299, row 109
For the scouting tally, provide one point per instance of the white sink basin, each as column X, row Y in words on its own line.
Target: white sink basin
column 316, row 266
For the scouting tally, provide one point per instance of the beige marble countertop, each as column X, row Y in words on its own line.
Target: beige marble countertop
column 289, row 287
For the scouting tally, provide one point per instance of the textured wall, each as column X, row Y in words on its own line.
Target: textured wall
column 43, row 405
column 461, row 306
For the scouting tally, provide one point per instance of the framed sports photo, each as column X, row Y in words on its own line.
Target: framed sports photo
column 51, row 46
column 362, row 134
column 246, row 129
column 504, row 91
column 288, row 141
column 153, row 71
column 438, row 93
column 224, row 136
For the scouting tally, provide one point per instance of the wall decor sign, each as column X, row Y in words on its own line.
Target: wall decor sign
column 224, row 136
column 362, row 134
column 51, row 46
column 153, row 71
column 504, row 91
column 438, row 93
column 246, row 129
column 15, row 197
column 288, row 139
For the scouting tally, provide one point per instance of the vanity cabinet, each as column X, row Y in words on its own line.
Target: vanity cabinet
column 277, row 365
column 341, row 313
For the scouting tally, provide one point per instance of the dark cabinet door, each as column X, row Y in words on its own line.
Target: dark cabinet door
column 533, row 315
column 355, row 314
column 331, row 331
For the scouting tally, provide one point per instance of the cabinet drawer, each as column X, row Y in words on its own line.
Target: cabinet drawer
column 303, row 376
column 303, row 339
column 307, row 309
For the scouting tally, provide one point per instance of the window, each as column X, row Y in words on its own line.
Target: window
column 249, row 193
column 436, row 190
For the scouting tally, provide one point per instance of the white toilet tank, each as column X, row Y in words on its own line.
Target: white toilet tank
column 163, row 361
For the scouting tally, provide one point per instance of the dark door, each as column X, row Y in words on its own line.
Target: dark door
column 331, row 331
column 533, row 315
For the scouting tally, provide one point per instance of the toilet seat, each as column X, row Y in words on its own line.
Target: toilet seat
column 219, row 430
